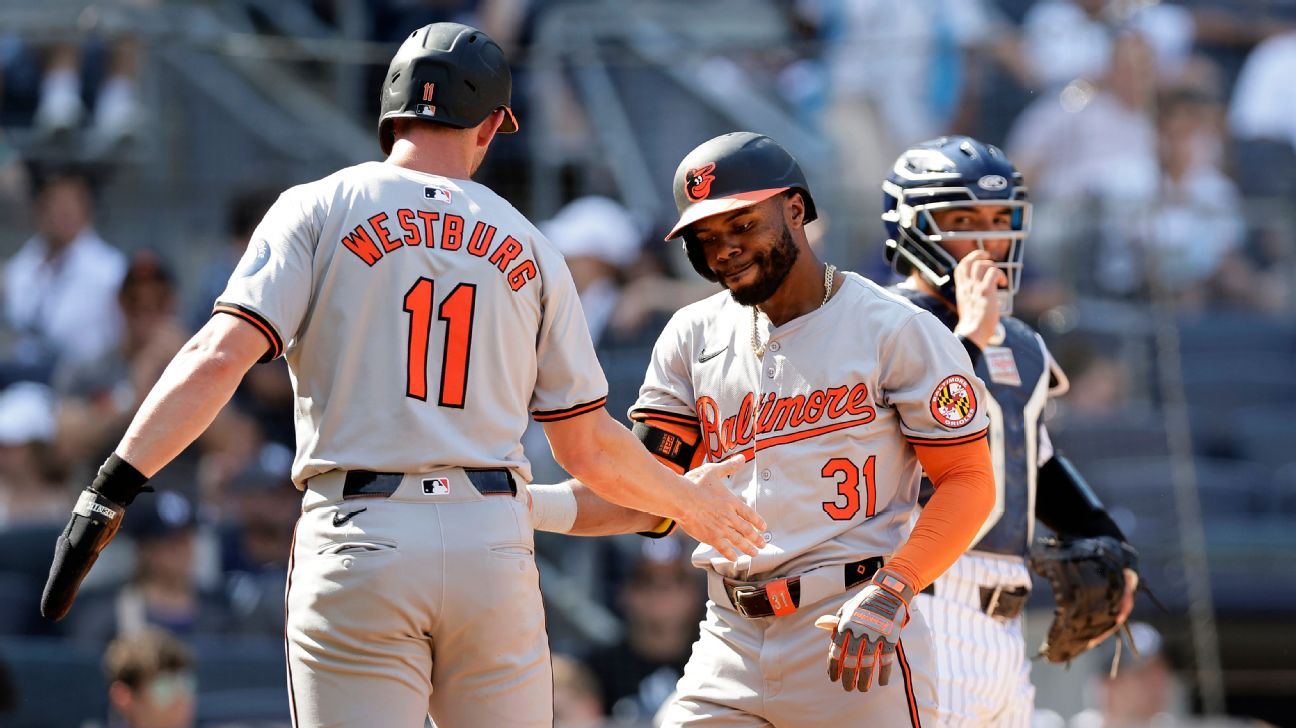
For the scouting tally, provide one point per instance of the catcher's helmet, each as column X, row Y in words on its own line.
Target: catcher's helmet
column 728, row 173
column 952, row 171
column 448, row 74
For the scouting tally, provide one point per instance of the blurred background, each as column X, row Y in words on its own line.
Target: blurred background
column 141, row 141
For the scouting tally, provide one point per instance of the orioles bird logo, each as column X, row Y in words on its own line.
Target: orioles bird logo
column 697, row 183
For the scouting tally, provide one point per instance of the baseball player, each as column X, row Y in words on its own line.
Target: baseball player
column 836, row 394
column 956, row 214
column 422, row 319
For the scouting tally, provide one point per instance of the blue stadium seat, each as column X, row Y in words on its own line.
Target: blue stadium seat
column 59, row 683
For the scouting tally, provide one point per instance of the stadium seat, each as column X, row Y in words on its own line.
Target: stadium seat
column 59, row 683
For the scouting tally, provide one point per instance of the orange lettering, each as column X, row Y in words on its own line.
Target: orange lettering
column 709, row 421
column 482, row 235
column 505, row 253
column 836, row 402
column 384, row 238
column 521, row 274
column 362, row 245
column 857, row 402
column 406, row 219
column 428, row 218
column 814, row 408
column 452, row 232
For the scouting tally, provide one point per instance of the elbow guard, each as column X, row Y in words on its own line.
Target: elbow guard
column 673, row 441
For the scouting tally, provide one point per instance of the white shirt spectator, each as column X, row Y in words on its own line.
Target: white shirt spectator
column 1085, row 142
column 1263, row 105
column 1063, row 43
column 65, row 306
column 904, row 56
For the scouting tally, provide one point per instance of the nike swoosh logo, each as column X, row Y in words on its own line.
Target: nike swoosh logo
column 340, row 518
column 705, row 357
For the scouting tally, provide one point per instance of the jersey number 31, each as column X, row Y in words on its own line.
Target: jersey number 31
column 848, row 487
column 456, row 310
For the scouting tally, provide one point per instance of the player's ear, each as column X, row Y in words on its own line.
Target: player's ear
column 794, row 208
column 489, row 126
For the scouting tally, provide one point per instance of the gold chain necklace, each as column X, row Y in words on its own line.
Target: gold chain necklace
column 759, row 348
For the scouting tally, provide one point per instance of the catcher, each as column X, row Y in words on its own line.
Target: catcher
column 956, row 215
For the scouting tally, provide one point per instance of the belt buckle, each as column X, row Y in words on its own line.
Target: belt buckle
column 740, row 591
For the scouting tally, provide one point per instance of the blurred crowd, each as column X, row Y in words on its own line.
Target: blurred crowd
column 1158, row 141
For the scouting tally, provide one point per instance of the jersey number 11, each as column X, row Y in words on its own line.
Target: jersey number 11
column 456, row 310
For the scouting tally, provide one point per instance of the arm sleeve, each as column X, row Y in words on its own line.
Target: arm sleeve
column 963, row 478
column 271, row 286
column 1065, row 503
column 569, row 379
column 927, row 377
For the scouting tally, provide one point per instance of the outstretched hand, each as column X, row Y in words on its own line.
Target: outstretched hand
column 713, row 515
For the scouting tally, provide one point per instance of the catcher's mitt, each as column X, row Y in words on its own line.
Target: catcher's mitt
column 1088, row 580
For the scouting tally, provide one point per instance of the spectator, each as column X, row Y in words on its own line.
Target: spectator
column 600, row 240
column 1093, row 139
column 164, row 591
column 31, row 478
column 60, row 287
column 899, row 73
column 257, row 540
column 150, row 681
column 1065, row 40
column 577, row 703
column 1262, row 119
column 1141, row 693
column 1262, row 107
column 662, row 600
column 101, row 393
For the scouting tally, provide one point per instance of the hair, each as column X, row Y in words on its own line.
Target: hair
column 135, row 659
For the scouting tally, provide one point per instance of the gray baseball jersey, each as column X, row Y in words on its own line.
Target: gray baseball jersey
column 826, row 418
column 422, row 318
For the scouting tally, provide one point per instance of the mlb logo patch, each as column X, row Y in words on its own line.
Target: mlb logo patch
column 436, row 486
column 437, row 194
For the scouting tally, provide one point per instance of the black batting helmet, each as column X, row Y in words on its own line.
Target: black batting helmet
column 446, row 73
column 728, row 173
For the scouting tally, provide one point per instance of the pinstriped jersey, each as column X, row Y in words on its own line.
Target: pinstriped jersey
column 1016, row 373
column 422, row 319
column 826, row 418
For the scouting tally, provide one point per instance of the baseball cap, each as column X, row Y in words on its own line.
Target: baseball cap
column 595, row 227
column 159, row 515
column 733, row 171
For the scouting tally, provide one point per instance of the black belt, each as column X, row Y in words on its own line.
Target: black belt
column 368, row 484
column 996, row 601
column 755, row 601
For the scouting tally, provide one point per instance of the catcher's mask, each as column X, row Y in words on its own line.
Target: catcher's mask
column 449, row 74
column 944, row 173
column 728, row 173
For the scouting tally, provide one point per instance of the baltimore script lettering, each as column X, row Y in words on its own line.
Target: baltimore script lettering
column 776, row 413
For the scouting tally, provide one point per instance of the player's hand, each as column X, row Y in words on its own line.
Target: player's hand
column 1126, row 606
column 866, row 630
column 713, row 515
column 976, row 286
column 94, row 522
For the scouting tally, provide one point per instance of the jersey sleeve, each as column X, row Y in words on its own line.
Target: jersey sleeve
column 927, row 377
column 271, row 286
column 569, row 379
column 667, row 391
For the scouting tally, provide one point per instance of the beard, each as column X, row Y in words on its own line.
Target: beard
column 773, row 266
